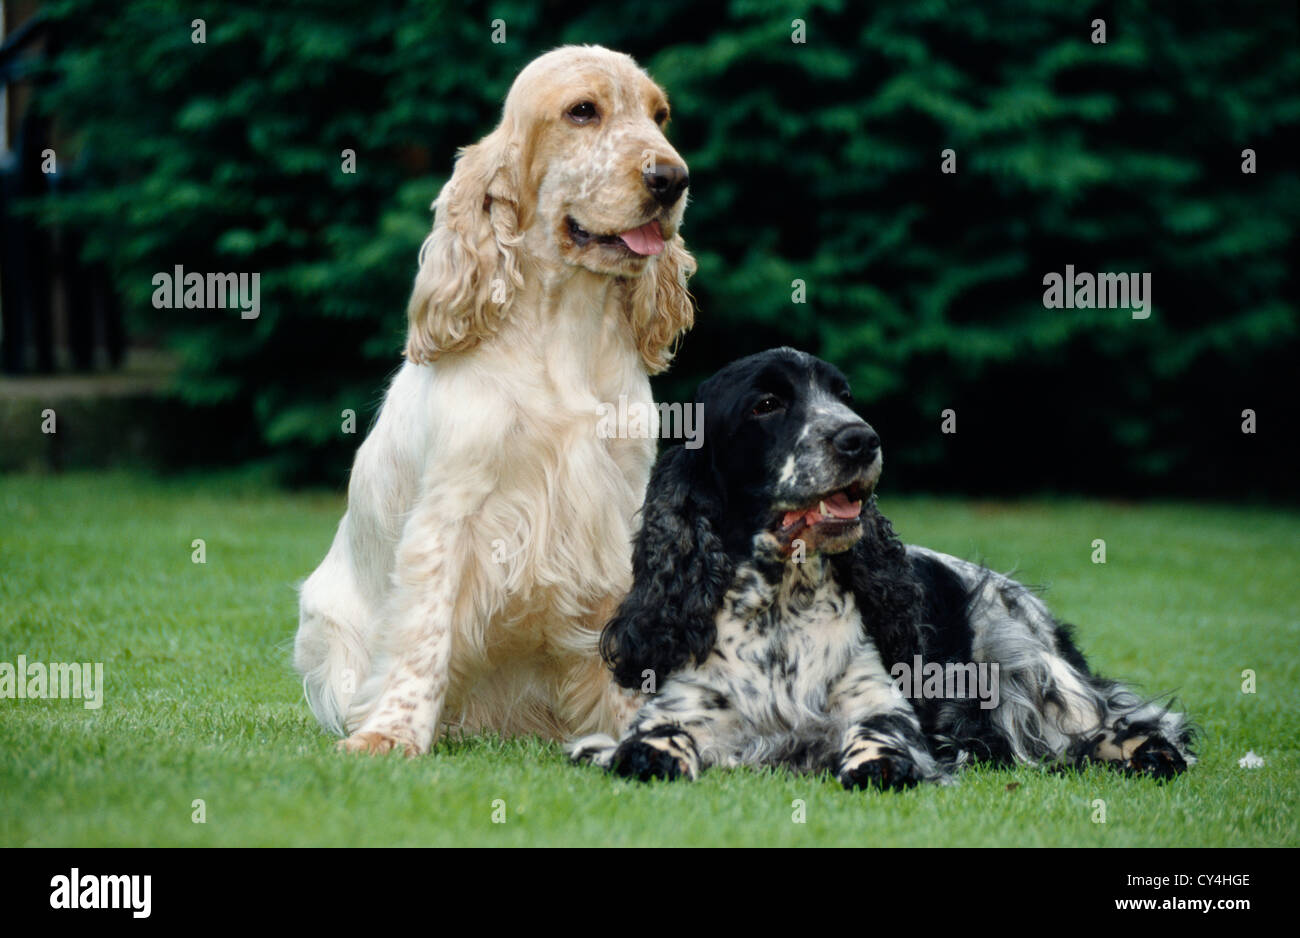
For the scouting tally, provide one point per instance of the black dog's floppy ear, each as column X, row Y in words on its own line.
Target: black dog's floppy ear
column 888, row 595
column 681, row 573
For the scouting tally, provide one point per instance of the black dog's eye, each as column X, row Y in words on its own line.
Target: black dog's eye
column 767, row 404
column 582, row 113
column 846, row 396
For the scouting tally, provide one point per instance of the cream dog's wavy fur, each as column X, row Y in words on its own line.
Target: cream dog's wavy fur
column 488, row 529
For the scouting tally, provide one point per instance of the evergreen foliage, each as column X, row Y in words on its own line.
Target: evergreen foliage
column 816, row 161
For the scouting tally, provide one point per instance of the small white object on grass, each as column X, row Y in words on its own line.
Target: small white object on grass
column 1250, row 761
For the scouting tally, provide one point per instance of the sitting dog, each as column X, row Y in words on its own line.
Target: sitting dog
column 774, row 613
column 489, row 524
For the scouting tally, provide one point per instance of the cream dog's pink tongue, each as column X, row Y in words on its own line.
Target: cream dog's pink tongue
column 647, row 239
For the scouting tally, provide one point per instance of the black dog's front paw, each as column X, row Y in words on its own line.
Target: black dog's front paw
column 640, row 760
column 888, row 771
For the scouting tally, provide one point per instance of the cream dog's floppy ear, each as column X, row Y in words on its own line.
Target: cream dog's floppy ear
column 661, row 307
column 469, row 264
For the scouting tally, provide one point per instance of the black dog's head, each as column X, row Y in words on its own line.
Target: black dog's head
column 793, row 460
column 785, row 472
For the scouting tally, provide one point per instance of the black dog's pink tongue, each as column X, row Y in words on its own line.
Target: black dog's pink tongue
column 840, row 506
column 836, row 506
column 647, row 239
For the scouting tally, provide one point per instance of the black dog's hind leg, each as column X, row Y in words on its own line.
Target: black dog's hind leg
column 1052, row 707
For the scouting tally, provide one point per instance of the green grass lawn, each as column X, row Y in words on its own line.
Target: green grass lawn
column 201, row 702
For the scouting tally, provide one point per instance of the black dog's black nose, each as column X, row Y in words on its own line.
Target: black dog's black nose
column 667, row 183
column 857, row 440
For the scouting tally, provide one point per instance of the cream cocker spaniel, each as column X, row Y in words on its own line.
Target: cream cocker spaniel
column 488, row 530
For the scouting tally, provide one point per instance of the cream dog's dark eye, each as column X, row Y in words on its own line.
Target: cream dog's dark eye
column 661, row 115
column 582, row 113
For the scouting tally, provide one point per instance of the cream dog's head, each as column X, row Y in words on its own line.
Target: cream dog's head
column 578, row 173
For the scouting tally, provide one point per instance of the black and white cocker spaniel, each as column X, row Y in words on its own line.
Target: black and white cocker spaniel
column 776, row 619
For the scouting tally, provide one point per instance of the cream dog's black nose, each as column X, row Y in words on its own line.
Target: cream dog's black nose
column 667, row 183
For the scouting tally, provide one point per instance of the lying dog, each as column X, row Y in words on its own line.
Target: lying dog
column 774, row 608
